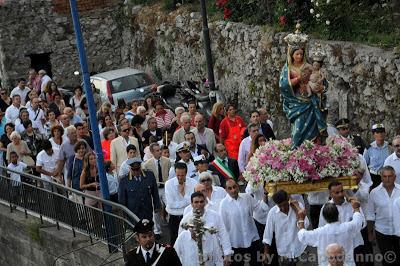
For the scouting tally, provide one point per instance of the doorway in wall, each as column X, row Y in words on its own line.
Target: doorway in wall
column 41, row 61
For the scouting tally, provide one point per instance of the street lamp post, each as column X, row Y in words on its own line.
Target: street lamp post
column 90, row 101
column 207, row 48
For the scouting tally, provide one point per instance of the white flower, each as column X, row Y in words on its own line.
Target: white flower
column 311, row 11
column 328, row 1
column 318, row 15
column 316, row 4
column 312, row 1
column 327, row 22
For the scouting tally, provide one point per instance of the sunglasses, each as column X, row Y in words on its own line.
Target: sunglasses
column 125, row 130
column 205, row 180
column 2, row 93
column 397, row 145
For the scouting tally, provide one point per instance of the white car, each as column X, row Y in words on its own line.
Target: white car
column 126, row 83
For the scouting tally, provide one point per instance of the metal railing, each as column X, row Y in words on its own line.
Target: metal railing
column 66, row 206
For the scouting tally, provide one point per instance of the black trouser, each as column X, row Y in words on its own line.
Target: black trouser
column 363, row 255
column 114, row 197
column 283, row 261
column 246, row 255
column 315, row 210
column 376, row 180
column 388, row 244
column 173, row 224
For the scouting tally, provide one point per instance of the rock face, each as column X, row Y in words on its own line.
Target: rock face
column 364, row 80
column 247, row 59
column 34, row 28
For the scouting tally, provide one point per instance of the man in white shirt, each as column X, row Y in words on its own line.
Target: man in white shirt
column 36, row 115
column 177, row 197
column 394, row 159
column 216, row 247
column 236, row 211
column 204, row 136
column 245, row 146
column 380, row 214
column 12, row 112
column 333, row 232
column 345, row 209
column 44, row 79
column 281, row 221
column 396, row 217
column 46, row 164
column 21, row 90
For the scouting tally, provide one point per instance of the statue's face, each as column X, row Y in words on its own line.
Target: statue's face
column 298, row 56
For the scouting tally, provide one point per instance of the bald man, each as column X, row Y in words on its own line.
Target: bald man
column 197, row 188
column 335, row 254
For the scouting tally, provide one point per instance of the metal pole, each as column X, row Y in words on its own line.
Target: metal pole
column 207, row 47
column 90, row 101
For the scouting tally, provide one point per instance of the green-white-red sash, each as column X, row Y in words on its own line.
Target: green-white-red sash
column 222, row 168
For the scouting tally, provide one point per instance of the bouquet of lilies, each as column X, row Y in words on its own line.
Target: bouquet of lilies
column 276, row 161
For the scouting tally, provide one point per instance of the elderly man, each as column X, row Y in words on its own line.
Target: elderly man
column 73, row 118
column 335, row 255
column 376, row 153
column 36, row 115
column 138, row 191
column 215, row 246
column 204, row 136
column 380, row 214
column 394, row 159
column 44, row 79
column 343, row 126
column 179, row 135
column 332, row 232
column 152, row 130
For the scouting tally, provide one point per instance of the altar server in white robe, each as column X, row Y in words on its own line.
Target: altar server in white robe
column 216, row 247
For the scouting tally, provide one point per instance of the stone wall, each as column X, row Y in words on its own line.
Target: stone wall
column 25, row 241
column 364, row 80
column 45, row 26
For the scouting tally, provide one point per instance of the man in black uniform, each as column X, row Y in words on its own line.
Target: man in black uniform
column 148, row 252
column 343, row 126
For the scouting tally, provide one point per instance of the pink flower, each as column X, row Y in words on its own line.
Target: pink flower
column 282, row 20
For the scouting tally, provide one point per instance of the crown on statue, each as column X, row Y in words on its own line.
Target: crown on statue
column 318, row 53
column 297, row 39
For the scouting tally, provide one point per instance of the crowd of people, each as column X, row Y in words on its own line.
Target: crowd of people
column 163, row 164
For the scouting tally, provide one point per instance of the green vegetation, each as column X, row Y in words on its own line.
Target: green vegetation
column 365, row 21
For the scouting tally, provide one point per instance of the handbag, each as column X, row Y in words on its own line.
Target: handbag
column 28, row 160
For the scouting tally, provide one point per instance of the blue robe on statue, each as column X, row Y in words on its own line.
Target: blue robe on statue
column 303, row 112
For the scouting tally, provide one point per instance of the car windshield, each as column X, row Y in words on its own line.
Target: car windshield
column 130, row 82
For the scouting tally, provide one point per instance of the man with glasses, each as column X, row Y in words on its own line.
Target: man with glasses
column 343, row 126
column 394, row 159
column 118, row 146
column 376, row 153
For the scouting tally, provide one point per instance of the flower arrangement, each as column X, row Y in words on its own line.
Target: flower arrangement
column 276, row 161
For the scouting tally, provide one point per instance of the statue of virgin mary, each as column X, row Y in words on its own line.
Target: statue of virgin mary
column 301, row 107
